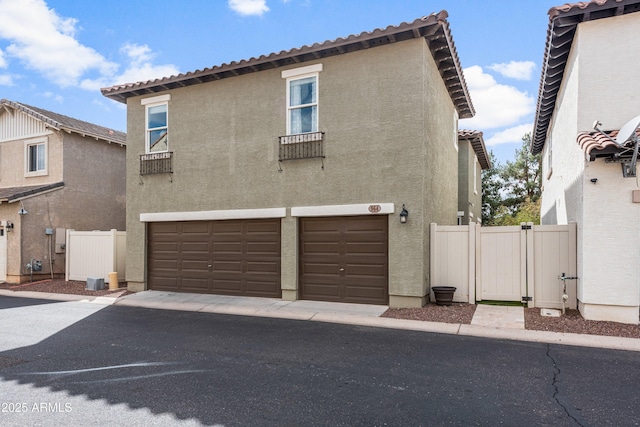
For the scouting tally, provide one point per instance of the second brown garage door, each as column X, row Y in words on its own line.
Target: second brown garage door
column 344, row 259
column 234, row 257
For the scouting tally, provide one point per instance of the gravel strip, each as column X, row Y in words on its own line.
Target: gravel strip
column 455, row 313
column 60, row 286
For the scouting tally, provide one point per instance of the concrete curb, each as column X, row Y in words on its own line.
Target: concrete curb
column 330, row 314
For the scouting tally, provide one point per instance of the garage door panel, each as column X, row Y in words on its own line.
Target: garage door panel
column 325, row 268
column 229, row 266
column 262, row 248
column 227, row 247
column 261, row 288
column 373, row 248
column 244, row 256
column 229, row 286
column 366, row 270
column 263, row 267
column 322, row 291
column 313, row 248
column 192, row 265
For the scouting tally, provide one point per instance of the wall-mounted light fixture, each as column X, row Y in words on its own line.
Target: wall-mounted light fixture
column 404, row 213
column 22, row 210
column 9, row 225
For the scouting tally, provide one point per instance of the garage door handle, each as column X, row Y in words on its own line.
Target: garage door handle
column 342, row 269
column 210, row 266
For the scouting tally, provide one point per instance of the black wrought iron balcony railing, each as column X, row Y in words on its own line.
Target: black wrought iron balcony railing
column 301, row 146
column 155, row 163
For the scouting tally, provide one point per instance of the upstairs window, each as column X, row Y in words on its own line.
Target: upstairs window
column 157, row 124
column 36, row 158
column 302, row 99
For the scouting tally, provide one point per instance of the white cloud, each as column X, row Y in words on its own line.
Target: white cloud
column 3, row 62
column 56, row 97
column 249, row 7
column 6, row 80
column 509, row 135
column 519, row 70
column 44, row 42
column 496, row 105
column 139, row 68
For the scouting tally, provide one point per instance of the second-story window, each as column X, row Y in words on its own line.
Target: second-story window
column 36, row 157
column 157, row 130
column 302, row 99
column 157, row 124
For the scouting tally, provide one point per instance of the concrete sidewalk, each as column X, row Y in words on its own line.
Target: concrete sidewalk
column 489, row 321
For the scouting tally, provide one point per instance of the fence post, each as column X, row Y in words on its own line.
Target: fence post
column 67, row 255
column 478, row 263
column 531, row 283
column 472, row 262
column 433, row 233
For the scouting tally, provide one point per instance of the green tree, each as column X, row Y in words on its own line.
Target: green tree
column 492, row 184
column 522, row 179
column 511, row 192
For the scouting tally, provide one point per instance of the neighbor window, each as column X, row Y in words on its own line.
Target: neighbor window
column 36, row 158
column 302, row 99
column 157, row 124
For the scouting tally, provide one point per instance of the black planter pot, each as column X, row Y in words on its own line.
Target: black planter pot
column 443, row 294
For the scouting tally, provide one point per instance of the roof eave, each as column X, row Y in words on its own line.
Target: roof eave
column 563, row 21
column 434, row 28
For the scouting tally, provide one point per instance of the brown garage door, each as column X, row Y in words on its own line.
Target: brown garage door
column 235, row 257
column 344, row 259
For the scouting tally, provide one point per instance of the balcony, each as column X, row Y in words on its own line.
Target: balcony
column 301, row 146
column 155, row 163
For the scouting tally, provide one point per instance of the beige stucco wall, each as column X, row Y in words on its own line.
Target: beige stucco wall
column 388, row 123
column 13, row 166
column 93, row 198
column 469, row 195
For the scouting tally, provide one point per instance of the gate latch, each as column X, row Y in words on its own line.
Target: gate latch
column 525, row 299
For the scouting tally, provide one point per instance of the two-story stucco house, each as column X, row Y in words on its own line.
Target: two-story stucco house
column 472, row 160
column 590, row 73
column 56, row 173
column 312, row 173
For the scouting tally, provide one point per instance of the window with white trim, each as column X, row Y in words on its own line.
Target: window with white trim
column 157, row 124
column 302, row 99
column 35, row 157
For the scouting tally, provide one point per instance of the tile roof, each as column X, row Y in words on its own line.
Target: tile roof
column 603, row 146
column 62, row 122
column 477, row 142
column 563, row 21
column 13, row 194
column 434, row 28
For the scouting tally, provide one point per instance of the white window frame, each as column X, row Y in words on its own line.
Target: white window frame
column 299, row 74
column 35, row 142
column 149, row 103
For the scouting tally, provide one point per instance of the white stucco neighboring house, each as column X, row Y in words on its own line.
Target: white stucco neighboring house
column 590, row 73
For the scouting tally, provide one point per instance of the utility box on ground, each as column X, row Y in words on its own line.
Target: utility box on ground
column 95, row 283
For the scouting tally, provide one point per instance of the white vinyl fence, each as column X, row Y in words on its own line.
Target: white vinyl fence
column 95, row 254
column 514, row 263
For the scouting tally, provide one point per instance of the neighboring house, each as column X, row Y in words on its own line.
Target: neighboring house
column 56, row 173
column 590, row 73
column 289, row 175
column 472, row 159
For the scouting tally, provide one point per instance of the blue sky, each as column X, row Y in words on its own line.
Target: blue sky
column 57, row 54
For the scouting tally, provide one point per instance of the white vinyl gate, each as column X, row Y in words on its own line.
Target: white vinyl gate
column 514, row 263
column 3, row 253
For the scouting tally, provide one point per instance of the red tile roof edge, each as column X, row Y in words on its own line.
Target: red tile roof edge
column 431, row 27
column 563, row 21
